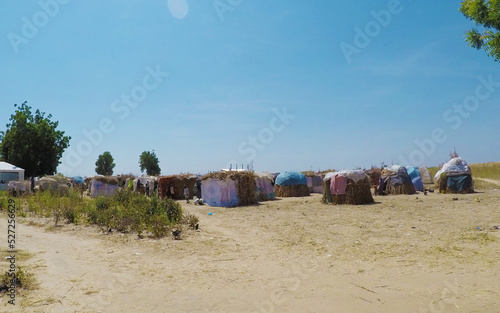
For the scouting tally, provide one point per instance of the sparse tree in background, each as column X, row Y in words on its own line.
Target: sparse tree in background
column 149, row 162
column 33, row 142
column 104, row 164
column 487, row 14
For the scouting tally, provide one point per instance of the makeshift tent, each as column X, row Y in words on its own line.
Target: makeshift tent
column 425, row 175
column 176, row 185
column 9, row 172
column 103, row 186
column 123, row 180
column 264, row 184
column 315, row 183
column 415, row 178
column 140, row 184
column 291, row 184
column 455, row 176
column 347, row 187
column 395, row 181
column 19, row 188
column 55, row 184
column 228, row 188
column 78, row 180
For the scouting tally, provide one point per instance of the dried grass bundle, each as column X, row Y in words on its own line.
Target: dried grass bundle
column 356, row 193
column 403, row 189
column 110, row 180
column 292, row 191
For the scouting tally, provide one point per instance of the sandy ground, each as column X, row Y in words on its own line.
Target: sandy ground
column 403, row 254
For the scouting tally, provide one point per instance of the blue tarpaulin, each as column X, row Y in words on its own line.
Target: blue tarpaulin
column 291, row 179
column 415, row 178
column 459, row 183
column 78, row 180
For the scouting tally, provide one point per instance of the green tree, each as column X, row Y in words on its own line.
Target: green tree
column 149, row 162
column 104, row 164
column 33, row 142
column 485, row 13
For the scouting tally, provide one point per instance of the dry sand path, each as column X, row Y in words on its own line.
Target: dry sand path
column 491, row 181
column 402, row 254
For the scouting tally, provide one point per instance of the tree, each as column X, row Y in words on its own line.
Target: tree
column 149, row 162
column 104, row 164
column 33, row 142
column 487, row 14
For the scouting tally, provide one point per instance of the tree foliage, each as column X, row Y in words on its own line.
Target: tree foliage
column 149, row 162
column 104, row 164
column 487, row 14
column 33, row 142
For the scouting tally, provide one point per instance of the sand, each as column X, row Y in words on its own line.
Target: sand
column 402, row 254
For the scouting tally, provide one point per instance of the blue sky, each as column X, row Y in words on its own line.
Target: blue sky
column 291, row 85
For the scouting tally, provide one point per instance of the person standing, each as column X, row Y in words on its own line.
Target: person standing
column 186, row 193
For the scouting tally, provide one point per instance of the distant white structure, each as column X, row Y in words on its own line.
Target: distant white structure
column 9, row 172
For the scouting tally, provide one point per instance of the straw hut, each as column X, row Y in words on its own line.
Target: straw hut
column 395, row 181
column 291, row 184
column 264, row 187
column 425, row 175
column 414, row 174
column 347, row 187
column 455, row 176
column 229, row 188
column 173, row 186
column 103, row 186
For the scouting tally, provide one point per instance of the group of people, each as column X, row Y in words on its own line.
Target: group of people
column 171, row 192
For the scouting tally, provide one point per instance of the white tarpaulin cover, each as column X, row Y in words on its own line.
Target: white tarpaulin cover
column 455, row 165
column 220, row 193
column 264, row 186
column 355, row 175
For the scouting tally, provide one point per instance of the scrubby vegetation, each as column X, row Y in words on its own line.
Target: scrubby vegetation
column 124, row 212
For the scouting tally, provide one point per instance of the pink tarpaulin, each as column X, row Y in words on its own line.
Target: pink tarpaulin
column 338, row 184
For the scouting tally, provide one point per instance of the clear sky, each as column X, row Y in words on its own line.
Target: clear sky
column 289, row 84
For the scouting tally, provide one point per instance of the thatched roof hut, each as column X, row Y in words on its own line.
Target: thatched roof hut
column 172, row 186
column 455, row 176
column 291, row 184
column 264, row 184
column 347, row 187
column 395, row 181
column 229, row 188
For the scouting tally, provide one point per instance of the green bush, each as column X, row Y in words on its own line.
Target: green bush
column 126, row 211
